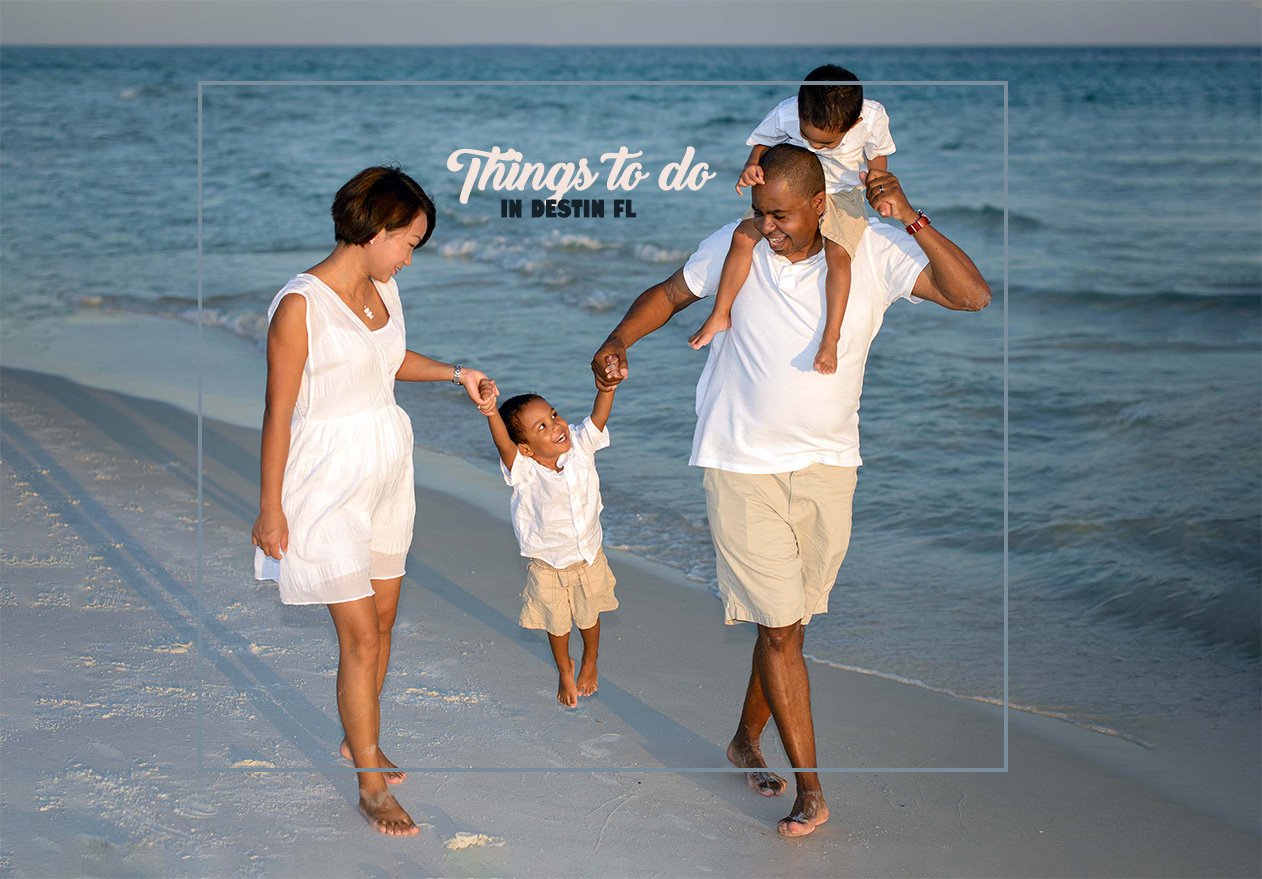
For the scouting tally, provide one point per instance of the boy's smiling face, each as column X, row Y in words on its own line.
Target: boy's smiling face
column 547, row 433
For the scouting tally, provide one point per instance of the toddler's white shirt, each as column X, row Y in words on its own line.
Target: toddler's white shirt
column 869, row 138
column 556, row 516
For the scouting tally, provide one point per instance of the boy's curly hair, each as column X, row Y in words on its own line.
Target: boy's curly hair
column 510, row 411
column 830, row 107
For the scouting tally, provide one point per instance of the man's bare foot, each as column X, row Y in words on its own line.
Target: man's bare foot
column 587, row 677
column 383, row 762
column 384, row 813
column 826, row 358
column 809, row 812
column 750, row 757
column 713, row 325
column 567, row 693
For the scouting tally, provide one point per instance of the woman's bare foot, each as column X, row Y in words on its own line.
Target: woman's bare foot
column 750, row 757
column 713, row 325
column 809, row 812
column 587, row 677
column 826, row 358
column 567, row 693
column 383, row 762
column 384, row 813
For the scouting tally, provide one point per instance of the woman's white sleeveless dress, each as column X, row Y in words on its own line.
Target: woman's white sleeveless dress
column 348, row 491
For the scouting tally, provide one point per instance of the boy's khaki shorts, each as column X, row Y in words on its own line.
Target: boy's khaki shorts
column 779, row 540
column 557, row 599
column 845, row 218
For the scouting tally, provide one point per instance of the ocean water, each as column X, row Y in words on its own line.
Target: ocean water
column 1134, row 311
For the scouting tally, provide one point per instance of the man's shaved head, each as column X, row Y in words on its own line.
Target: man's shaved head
column 798, row 167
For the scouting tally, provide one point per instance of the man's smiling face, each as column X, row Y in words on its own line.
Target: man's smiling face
column 787, row 219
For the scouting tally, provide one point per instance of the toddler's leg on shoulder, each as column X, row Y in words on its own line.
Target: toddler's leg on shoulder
column 740, row 256
column 836, row 296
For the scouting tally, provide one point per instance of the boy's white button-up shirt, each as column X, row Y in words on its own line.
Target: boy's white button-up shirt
column 556, row 516
column 869, row 138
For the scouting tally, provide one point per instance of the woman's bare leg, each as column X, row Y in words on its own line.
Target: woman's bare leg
column 386, row 598
column 359, row 706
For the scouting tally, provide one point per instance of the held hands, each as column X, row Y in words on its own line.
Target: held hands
column 489, row 393
column 476, row 384
column 886, row 196
column 271, row 533
column 609, row 365
column 751, row 176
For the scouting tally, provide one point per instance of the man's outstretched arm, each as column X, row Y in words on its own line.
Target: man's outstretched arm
column 950, row 279
column 650, row 312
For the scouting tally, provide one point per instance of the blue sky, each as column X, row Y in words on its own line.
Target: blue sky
column 643, row 22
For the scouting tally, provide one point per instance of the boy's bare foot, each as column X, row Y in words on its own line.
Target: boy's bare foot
column 587, row 677
column 383, row 762
column 713, row 325
column 384, row 813
column 750, row 757
column 809, row 812
column 567, row 693
column 826, row 358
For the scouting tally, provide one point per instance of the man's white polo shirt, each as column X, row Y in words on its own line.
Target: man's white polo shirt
column 556, row 516
column 761, row 407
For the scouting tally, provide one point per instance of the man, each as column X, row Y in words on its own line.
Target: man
column 780, row 442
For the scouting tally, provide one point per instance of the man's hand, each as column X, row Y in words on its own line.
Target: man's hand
column 751, row 176
column 609, row 364
column 887, row 197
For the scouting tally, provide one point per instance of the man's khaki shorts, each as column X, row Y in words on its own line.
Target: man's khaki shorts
column 779, row 540
column 845, row 218
column 558, row 598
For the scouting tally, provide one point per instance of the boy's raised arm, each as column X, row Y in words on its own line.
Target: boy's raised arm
column 499, row 431
column 602, row 407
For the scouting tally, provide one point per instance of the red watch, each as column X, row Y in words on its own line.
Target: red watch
column 919, row 223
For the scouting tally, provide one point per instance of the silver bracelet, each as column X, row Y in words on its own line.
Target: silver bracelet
column 455, row 376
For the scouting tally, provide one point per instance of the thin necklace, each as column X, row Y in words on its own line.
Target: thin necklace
column 362, row 302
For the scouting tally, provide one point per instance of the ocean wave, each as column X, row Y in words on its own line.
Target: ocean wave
column 654, row 254
column 570, row 241
column 987, row 218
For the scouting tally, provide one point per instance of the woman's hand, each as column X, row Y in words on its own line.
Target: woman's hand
column 471, row 380
column 271, row 533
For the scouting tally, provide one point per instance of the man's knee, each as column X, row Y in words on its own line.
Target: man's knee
column 782, row 638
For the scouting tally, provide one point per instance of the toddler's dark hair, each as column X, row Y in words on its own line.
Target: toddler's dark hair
column 830, row 107
column 510, row 410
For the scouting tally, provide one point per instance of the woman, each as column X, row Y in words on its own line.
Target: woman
column 336, row 503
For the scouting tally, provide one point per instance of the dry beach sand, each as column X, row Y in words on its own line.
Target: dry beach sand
column 141, row 739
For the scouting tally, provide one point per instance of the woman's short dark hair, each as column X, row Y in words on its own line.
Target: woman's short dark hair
column 510, row 411
column 377, row 198
column 830, row 107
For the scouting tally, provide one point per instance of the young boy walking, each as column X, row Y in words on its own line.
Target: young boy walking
column 556, row 516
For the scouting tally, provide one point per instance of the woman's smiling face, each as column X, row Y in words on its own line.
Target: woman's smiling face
column 390, row 251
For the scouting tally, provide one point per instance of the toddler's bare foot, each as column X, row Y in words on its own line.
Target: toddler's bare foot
column 384, row 813
column 713, row 325
column 809, row 812
column 587, row 677
column 826, row 358
column 383, row 762
column 750, row 757
column 567, row 693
